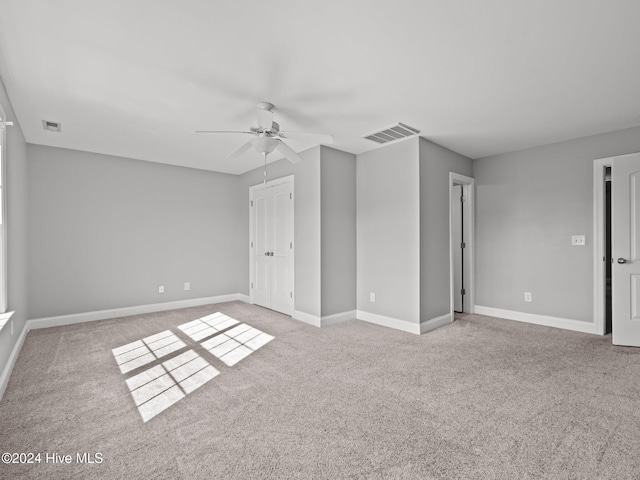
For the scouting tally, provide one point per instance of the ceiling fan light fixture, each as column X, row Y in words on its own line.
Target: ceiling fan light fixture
column 265, row 144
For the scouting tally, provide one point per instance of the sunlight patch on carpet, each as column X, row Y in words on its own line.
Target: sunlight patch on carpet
column 206, row 326
column 164, row 384
column 157, row 388
column 141, row 352
column 237, row 343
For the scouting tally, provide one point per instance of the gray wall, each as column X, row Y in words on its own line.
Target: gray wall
column 338, row 230
column 388, row 231
column 306, row 230
column 528, row 204
column 16, row 196
column 435, row 164
column 105, row 231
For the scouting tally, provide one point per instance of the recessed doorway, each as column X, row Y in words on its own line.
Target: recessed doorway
column 461, row 235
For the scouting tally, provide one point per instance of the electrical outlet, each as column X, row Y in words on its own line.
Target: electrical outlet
column 372, row 297
column 187, row 286
column 527, row 297
column 161, row 289
column 578, row 240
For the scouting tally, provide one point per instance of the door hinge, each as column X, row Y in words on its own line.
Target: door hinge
column 252, row 203
column 291, row 196
column 291, row 294
column 251, row 244
column 463, row 245
column 251, row 284
column 290, row 244
column 463, row 292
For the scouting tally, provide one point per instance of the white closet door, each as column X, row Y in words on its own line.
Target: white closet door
column 272, row 252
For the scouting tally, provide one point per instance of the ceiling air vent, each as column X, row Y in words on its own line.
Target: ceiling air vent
column 392, row 133
column 51, row 126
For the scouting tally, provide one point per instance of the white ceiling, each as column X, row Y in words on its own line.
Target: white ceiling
column 134, row 78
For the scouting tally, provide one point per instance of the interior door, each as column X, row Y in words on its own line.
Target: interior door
column 272, row 252
column 626, row 248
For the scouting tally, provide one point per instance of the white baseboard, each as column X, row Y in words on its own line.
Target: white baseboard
column 8, row 368
column 389, row 322
column 547, row 321
column 434, row 323
column 128, row 311
column 307, row 318
column 326, row 320
column 338, row 317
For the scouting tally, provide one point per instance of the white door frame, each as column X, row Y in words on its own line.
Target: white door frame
column 252, row 190
column 599, row 232
column 469, row 192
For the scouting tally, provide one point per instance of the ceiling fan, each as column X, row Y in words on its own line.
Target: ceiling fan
column 268, row 137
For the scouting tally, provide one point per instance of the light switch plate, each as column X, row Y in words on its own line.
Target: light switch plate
column 578, row 240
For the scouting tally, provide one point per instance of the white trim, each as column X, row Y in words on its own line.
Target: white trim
column 4, row 270
column 8, row 368
column 469, row 190
column 325, row 321
column 307, row 318
column 547, row 321
column 389, row 322
column 434, row 323
column 57, row 321
column 338, row 317
column 4, row 318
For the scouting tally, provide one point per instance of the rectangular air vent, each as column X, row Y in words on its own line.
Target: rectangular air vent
column 394, row 132
column 51, row 126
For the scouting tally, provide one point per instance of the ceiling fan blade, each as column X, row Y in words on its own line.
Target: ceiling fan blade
column 222, row 131
column 265, row 118
column 288, row 152
column 310, row 137
column 243, row 148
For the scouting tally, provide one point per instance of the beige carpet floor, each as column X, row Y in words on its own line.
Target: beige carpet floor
column 480, row 398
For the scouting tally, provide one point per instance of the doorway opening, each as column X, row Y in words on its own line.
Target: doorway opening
column 608, row 256
column 461, row 221
column 603, row 245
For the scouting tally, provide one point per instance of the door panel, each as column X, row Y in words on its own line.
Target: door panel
column 281, row 293
column 281, row 220
column 635, row 297
column 626, row 247
column 634, row 207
